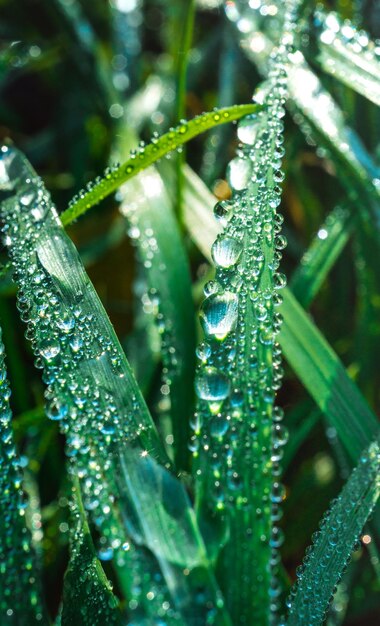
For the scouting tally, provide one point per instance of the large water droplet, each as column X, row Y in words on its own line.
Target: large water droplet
column 239, row 173
column 219, row 314
column 248, row 129
column 226, row 251
column 213, row 386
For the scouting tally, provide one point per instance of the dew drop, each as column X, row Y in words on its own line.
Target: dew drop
column 213, row 386
column 239, row 173
column 226, row 251
column 248, row 129
column 219, row 314
column 223, row 211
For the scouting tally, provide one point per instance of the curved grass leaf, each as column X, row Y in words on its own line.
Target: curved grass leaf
column 87, row 593
column 324, row 250
column 339, row 532
column 349, row 55
column 149, row 154
column 20, row 588
column 96, row 400
column 307, row 352
column 154, row 231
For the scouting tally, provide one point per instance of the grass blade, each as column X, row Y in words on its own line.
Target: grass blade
column 97, row 400
column 239, row 365
column 20, row 594
column 348, row 55
column 321, row 255
column 339, row 532
column 147, row 155
column 163, row 260
column 323, row 375
column 87, row 593
column 307, row 352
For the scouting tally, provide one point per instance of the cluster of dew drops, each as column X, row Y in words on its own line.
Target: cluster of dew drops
column 334, row 542
column 16, row 557
column 240, row 363
column 86, row 380
column 341, row 34
column 81, row 364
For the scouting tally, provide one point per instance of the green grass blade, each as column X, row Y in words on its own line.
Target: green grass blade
column 348, row 55
column 323, row 375
column 96, row 400
column 87, row 593
column 320, row 257
column 169, row 530
column 149, row 154
column 336, row 539
column 163, row 260
column 20, row 593
column 307, row 352
column 238, row 372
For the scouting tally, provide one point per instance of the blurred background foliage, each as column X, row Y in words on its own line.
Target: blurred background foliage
column 79, row 77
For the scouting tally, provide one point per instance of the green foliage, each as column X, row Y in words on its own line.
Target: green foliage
column 178, row 514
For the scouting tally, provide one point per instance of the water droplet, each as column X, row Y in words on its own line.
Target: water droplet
column 226, row 251
column 239, row 173
column 223, row 211
column 213, row 386
column 219, row 314
column 248, row 129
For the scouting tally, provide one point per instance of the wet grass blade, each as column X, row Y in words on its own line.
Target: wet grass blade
column 87, row 593
column 349, row 55
column 321, row 255
column 149, row 154
column 96, row 400
column 307, row 352
column 160, row 250
column 235, row 442
column 339, row 532
column 20, row 586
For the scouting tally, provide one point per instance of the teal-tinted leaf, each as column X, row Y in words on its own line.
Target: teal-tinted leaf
column 96, row 400
column 157, row 513
column 339, row 532
column 87, row 594
column 349, row 55
column 154, row 231
column 326, row 247
column 20, row 586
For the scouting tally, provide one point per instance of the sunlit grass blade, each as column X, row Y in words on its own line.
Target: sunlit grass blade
column 349, row 55
column 236, row 441
column 96, row 400
column 321, row 255
column 87, row 593
column 307, row 352
column 155, row 234
column 149, row 154
column 323, row 375
column 339, row 532
column 20, row 586
column 320, row 117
